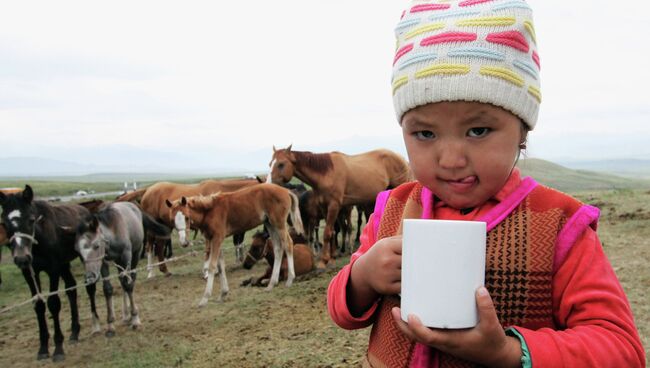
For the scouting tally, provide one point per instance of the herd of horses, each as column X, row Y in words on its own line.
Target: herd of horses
column 44, row 237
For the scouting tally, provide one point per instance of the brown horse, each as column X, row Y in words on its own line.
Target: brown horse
column 340, row 180
column 132, row 196
column 262, row 247
column 223, row 214
column 153, row 203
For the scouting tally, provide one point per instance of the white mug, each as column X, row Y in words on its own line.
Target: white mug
column 443, row 264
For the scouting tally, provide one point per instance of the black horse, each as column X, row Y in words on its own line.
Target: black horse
column 39, row 242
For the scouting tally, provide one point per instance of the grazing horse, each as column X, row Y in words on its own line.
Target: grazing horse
column 222, row 214
column 262, row 247
column 39, row 242
column 153, row 203
column 339, row 180
column 115, row 234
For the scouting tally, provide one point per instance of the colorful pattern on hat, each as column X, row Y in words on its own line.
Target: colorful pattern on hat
column 470, row 50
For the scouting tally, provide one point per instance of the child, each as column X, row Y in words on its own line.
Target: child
column 466, row 93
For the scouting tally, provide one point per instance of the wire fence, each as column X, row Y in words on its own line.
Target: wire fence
column 43, row 296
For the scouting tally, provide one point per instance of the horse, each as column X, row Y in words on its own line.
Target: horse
column 3, row 231
column 340, row 180
column 313, row 211
column 262, row 247
column 39, row 242
column 93, row 205
column 132, row 196
column 153, row 203
column 115, row 234
column 220, row 215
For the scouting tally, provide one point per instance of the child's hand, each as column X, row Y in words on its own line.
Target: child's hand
column 486, row 344
column 377, row 272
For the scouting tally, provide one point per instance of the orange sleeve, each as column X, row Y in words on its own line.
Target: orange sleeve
column 595, row 322
column 337, row 305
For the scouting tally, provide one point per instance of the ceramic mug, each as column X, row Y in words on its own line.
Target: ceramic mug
column 443, row 264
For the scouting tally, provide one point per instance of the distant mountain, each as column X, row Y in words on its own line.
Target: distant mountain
column 565, row 179
column 633, row 168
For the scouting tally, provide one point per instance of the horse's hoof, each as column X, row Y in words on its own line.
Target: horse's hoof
column 168, row 274
column 58, row 357
column 42, row 356
column 95, row 332
column 203, row 302
column 74, row 338
column 110, row 333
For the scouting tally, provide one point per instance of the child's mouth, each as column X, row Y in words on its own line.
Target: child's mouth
column 463, row 184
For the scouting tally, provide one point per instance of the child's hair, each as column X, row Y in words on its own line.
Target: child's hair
column 470, row 50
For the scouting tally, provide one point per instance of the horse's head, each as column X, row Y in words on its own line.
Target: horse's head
column 282, row 166
column 180, row 211
column 91, row 244
column 257, row 249
column 20, row 219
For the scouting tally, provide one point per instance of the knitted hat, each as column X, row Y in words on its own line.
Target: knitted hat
column 470, row 50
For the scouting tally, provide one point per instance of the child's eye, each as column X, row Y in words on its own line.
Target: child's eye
column 424, row 135
column 478, row 132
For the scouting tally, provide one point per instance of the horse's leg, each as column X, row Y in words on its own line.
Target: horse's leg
column 69, row 282
column 288, row 250
column 91, row 291
column 211, row 263
column 221, row 269
column 108, row 295
column 54, row 305
column 148, row 246
column 326, row 251
column 238, row 240
column 39, row 308
column 160, row 252
column 358, row 235
column 130, row 312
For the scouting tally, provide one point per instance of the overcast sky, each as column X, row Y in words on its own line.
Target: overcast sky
column 240, row 76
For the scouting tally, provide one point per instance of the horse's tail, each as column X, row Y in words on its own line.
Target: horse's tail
column 134, row 196
column 294, row 214
column 154, row 227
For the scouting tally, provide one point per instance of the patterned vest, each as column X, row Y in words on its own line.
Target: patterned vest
column 519, row 268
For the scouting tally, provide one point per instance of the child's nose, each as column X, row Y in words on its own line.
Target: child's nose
column 452, row 156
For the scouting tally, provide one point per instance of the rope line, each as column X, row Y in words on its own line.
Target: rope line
column 124, row 272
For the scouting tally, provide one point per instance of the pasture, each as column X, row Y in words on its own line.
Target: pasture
column 287, row 327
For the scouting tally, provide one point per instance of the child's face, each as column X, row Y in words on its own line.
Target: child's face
column 462, row 151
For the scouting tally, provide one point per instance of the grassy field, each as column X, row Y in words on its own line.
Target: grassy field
column 287, row 327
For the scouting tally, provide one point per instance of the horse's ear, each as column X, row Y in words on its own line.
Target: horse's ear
column 2, row 198
column 168, row 203
column 259, row 180
column 184, row 201
column 28, row 194
column 274, row 150
column 289, row 148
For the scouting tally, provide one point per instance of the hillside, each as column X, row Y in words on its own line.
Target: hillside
column 565, row 179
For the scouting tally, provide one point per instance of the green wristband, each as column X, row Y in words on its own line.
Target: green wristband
column 525, row 354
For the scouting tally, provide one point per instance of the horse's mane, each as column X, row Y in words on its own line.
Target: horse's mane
column 319, row 162
column 202, row 202
column 107, row 216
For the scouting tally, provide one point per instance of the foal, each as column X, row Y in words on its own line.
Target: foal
column 223, row 214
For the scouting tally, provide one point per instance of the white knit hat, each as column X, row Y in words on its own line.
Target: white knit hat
column 471, row 50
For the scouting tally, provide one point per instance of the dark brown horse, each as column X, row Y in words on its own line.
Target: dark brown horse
column 340, row 180
column 262, row 247
column 39, row 242
column 153, row 203
column 223, row 214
